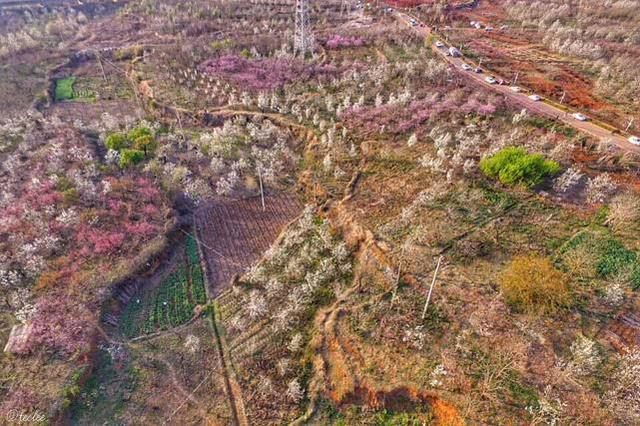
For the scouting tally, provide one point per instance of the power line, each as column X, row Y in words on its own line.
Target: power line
column 188, row 397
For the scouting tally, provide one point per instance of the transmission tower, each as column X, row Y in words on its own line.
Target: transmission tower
column 303, row 38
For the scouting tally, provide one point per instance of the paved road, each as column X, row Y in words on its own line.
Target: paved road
column 521, row 97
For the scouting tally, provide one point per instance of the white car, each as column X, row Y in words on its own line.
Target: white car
column 580, row 117
column 535, row 98
column 490, row 80
column 515, row 89
column 634, row 140
column 439, row 44
column 466, row 67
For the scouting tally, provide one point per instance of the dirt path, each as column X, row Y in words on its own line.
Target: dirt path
column 234, row 391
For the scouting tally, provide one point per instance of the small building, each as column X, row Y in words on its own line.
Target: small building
column 18, row 339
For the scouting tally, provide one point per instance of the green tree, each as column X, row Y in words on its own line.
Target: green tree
column 116, row 141
column 146, row 144
column 138, row 132
column 129, row 157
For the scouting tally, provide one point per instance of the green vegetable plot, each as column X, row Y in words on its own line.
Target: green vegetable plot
column 173, row 301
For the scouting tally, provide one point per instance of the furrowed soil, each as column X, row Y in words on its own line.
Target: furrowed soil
column 235, row 233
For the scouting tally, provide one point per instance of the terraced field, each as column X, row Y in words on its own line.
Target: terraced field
column 235, row 233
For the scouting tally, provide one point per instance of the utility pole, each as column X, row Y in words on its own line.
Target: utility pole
column 395, row 290
column 179, row 123
column 261, row 187
column 433, row 282
column 629, row 125
column 303, row 39
column 104, row 76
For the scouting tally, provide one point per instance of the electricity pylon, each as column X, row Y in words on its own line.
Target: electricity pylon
column 303, row 38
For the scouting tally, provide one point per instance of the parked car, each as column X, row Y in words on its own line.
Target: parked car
column 634, row 140
column 478, row 70
column 535, row 98
column 580, row 117
column 454, row 52
column 515, row 89
column 466, row 67
column 439, row 44
column 490, row 80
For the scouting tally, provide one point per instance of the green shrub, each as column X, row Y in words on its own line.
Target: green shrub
column 129, row 157
column 515, row 166
column 70, row 196
column 116, row 141
column 138, row 132
column 64, row 89
column 614, row 257
column 593, row 254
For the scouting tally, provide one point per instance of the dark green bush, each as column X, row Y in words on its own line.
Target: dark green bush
column 515, row 166
column 129, row 157
column 116, row 141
